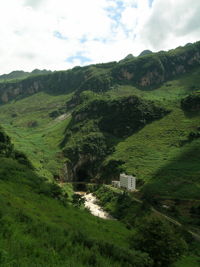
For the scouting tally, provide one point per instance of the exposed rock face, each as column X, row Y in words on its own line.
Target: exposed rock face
column 159, row 67
column 194, row 59
column 79, row 170
column 143, row 71
column 9, row 91
column 151, row 77
column 67, row 172
column 127, row 75
column 56, row 83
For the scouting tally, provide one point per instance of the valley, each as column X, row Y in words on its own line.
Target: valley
column 140, row 116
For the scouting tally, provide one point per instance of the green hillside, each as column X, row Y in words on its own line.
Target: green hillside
column 40, row 227
column 35, row 133
column 151, row 151
column 140, row 116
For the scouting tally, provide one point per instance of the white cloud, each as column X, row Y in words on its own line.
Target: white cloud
column 44, row 33
column 172, row 23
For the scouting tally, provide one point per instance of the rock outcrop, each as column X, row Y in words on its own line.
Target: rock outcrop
column 148, row 71
column 156, row 68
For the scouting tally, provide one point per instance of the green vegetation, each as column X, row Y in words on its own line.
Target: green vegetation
column 159, row 240
column 146, row 72
column 105, row 127
column 191, row 103
column 151, row 70
column 19, row 74
column 156, row 153
column 98, row 124
column 166, row 243
column 39, row 143
column 38, row 230
column 139, row 116
column 39, row 227
column 121, row 205
column 7, row 150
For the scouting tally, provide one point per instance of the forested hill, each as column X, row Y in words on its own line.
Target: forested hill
column 147, row 71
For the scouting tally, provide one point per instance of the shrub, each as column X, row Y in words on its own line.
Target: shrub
column 191, row 103
column 157, row 238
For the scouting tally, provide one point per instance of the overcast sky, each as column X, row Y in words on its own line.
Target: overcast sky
column 60, row 34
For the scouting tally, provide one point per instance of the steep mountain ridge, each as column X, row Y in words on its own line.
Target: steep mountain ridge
column 152, row 70
column 146, row 72
column 20, row 74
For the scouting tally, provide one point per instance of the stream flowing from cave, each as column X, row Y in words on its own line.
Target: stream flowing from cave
column 91, row 203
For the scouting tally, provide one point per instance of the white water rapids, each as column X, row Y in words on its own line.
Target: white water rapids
column 93, row 207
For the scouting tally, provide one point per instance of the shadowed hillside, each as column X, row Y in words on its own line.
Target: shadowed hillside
column 97, row 126
column 179, row 177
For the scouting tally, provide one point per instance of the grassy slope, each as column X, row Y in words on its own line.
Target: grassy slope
column 40, row 143
column 155, row 151
column 149, row 154
column 37, row 230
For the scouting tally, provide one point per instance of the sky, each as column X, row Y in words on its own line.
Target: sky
column 61, row 34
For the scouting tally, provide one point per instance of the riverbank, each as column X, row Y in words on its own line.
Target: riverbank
column 91, row 203
column 94, row 208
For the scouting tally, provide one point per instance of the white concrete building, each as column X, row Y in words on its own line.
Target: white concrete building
column 127, row 181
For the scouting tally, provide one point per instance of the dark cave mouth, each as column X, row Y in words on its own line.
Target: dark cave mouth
column 82, row 175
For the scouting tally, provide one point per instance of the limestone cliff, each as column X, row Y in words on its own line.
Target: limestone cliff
column 144, row 72
column 154, row 69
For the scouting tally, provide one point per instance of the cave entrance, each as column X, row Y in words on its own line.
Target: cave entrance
column 82, row 175
column 82, row 178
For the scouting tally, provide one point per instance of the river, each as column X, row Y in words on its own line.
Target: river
column 93, row 207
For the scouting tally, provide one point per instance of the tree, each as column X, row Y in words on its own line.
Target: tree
column 78, row 200
column 157, row 238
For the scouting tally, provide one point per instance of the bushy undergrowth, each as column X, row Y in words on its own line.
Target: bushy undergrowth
column 121, row 205
column 191, row 103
